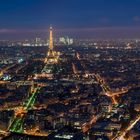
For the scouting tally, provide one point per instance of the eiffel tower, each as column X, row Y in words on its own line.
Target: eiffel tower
column 52, row 56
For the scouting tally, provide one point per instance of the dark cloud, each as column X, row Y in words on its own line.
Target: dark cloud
column 100, row 33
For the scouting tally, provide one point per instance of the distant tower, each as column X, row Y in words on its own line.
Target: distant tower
column 52, row 56
column 51, row 40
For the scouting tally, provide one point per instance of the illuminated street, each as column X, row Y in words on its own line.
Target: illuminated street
column 17, row 123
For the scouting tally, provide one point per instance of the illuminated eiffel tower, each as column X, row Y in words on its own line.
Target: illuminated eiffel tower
column 51, row 61
column 50, row 52
column 52, row 56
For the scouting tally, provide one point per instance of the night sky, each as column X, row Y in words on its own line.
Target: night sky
column 21, row 19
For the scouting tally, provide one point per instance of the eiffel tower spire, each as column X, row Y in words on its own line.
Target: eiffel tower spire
column 51, row 39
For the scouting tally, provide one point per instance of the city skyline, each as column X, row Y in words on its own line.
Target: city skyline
column 87, row 19
column 69, row 70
